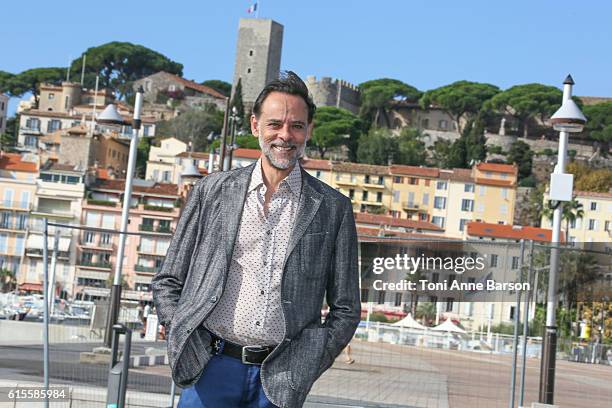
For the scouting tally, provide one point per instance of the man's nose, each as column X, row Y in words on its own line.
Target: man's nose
column 284, row 133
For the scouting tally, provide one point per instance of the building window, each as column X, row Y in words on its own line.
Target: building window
column 31, row 141
column 503, row 209
column 381, row 180
column 146, row 130
column 462, row 223
column 398, row 299
column 51, row 96
column 248, row 70
column 364, row 196
column 425, row 123
column 493, row 263
column 396, row 196
column 468, row 188
column 381, row 297
column 443, row 124
column 441, row 185
column 607, row 226
column 413, row 181
column 467, row 205
column 250, row 53
column 425, row 198
column 318, row 173
column 33, row 123
column 351, row 194
column 482, row 191
column 364, row 294
column 449, row 304
column 366, row 179
column 379, row 196
column 592, row 225
column 398, row 180
column 435, row 277
column 440, row 203
column 515, row 262
column 54, row 125
column 594, row 206
column 88, row 238
column 504, row 193
column 439, row 221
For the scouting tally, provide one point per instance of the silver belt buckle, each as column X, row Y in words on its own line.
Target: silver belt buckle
column 251, row 348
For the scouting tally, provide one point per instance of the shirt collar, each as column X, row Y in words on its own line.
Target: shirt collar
column 293, row 180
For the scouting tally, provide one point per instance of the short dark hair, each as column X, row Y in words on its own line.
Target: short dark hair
column 290, row 83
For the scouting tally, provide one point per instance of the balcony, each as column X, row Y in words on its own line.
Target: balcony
column 37, row 252
column 91, row 264
column 157, row 208
column 375, row 203
column 30, row 130
column 15, row 205
column 412, row 206
column 162, row 229
column 102, row 203
column 149, row 251
column 53, row 212
column 146, row 269
column 99, row 246
column 343, row 182
column 374, row 185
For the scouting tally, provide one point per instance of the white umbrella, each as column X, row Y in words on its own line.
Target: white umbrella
column 409, row 322
column 449, row 326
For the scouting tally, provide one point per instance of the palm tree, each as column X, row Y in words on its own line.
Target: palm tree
column 7, row 280
column 572, row 211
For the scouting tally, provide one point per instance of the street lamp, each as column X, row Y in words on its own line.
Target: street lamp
column 112, row 117
column 568, row 119
column 235, row 121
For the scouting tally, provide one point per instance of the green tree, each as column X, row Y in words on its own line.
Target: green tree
column 521, row 154
column 8, row 282
column 590, row 179
column 243, row 141
column 460, row 99
column 220, row 86
column 8, row 139
column 193, row 126
column 142, row 155
column 439, row 153
column 427, row 312
column 411, row 148
column 377, row 147
column 238, row 104
column 526, row 102
column 119, row 64
column 377, row 96
column 599, row 124
column 30, row 80
column 5, row 77
column 571, row 212
column 334, row 127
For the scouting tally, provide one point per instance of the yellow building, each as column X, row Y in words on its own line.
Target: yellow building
column 320, row 169
column 413, row 191
column 368, row 186
column 495, row 192
column 595, row 225
column 17, row 189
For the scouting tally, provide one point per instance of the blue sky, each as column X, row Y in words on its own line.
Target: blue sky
column 423, row 43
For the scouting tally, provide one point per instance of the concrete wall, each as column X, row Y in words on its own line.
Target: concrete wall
column 338, row 93
column 32, row 333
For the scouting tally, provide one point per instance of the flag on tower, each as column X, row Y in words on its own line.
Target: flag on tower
column 252, row 8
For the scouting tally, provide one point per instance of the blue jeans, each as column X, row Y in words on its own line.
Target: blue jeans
column 226, row 383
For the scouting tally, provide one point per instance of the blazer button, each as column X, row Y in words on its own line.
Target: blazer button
column 213, row 299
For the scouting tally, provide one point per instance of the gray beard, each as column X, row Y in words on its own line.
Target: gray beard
column 281, row 164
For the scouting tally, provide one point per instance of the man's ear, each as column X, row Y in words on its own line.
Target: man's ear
column 254, row 126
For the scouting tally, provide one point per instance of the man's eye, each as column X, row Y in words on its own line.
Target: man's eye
column 298, row 126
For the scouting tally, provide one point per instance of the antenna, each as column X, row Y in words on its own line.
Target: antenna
column 83, row 69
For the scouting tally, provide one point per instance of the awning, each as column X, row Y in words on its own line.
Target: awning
column 35, row 241
column 31, row 286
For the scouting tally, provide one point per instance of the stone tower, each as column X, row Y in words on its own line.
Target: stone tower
column 258, row 56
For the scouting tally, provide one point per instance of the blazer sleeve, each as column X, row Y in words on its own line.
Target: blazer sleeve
column 342, row 290
column 167, row 284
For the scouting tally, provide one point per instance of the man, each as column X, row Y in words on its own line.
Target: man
column 255, row 253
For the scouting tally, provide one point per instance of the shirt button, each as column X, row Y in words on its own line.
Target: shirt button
column 265, row 263
column 268, row 232
column 258, row 323
column 213, row 299
column 262, row 292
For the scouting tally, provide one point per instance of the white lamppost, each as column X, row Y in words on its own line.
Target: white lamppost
column 568, row 119
column 111, row 116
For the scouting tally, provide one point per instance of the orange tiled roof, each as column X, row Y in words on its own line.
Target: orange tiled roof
column 247, row 153
column 498, row 168
column 197, row 87
column 464, row 175
column 119, row 186
column 316, row 164
column 13, row 162
column 360, row 168
column 370, row 234
column 484, row 229
column 414, row 170
column 373, row 219
column 495, row 182
column 594, row 194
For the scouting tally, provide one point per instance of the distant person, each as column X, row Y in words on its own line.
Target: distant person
column 254, row 254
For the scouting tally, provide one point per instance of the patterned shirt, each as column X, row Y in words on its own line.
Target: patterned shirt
column 250, row 309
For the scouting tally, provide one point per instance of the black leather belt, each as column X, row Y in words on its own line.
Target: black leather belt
column 247, row 354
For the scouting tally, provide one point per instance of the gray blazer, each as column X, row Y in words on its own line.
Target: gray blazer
column 321, row 261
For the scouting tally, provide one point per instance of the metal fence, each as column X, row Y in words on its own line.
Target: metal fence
column 491, row 360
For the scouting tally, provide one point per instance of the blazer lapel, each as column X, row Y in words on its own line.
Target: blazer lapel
column 310, row 200
column 232, row 203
